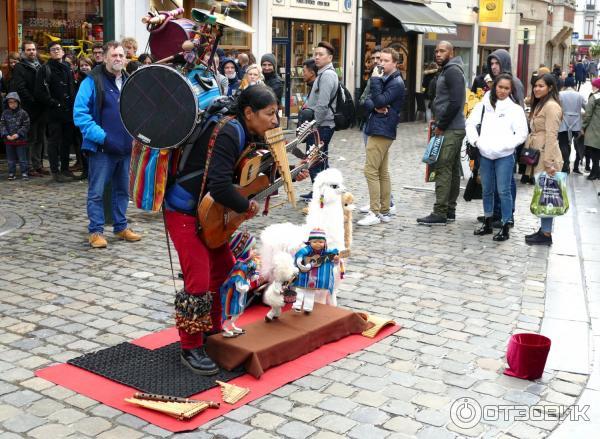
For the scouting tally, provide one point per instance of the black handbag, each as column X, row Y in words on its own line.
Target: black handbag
column 473, row 190
column 473, row 151
column 529, row 157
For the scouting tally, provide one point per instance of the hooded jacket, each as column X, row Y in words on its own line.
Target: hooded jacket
column 272, row 79
column 450, row 96
column 502, row 128
column 233, row 83
column 14, row 121
column 23, row 80
column 503, row 58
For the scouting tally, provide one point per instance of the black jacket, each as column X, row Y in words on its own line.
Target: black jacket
column 55, row 90
column 23, row 82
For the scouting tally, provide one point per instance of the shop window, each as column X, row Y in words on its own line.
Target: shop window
column 280, row 28
column 232, row 39
column 304, row 38
column 42, row 21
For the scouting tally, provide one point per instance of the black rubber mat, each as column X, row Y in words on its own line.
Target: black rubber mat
column 151, row 371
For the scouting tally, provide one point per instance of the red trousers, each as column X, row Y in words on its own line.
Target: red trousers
column 203, row 269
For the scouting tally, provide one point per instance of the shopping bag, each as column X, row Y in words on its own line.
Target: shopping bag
column 432, row 151
column 550, row 195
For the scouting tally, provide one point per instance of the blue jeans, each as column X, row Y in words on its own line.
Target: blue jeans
column 546, row 224
column 325, row 135
column 497, row 175
column 513, row 192
column 104, row 168
column 16, row 153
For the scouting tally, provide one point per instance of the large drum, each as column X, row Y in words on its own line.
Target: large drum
column 167, row 39
column 160, row 107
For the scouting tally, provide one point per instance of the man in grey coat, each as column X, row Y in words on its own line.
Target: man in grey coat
column 321, row 101
column 448, row 107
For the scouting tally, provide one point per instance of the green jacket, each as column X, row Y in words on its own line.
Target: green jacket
column 591, row 121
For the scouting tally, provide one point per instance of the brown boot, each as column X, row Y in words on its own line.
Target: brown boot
column 128, row 235
column 97, row 240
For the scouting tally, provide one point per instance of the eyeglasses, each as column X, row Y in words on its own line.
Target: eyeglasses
column 56, row 49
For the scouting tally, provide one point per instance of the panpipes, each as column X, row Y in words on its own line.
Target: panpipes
column 276, row 142
column 180, row 408
column 232, row 393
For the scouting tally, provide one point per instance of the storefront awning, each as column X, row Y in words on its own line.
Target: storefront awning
column 417, row 17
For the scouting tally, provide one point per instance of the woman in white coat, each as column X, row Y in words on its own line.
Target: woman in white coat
column 503, row 128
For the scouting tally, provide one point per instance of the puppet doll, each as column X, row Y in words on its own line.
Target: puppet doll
column 315, row 262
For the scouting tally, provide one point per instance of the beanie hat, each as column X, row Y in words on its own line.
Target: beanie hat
column 269, row 57
column 317, row 234
column 596, row 83
column 570, row 81
column 240, row 244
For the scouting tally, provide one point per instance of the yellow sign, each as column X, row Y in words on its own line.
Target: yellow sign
column 483, row 31
column 491, row 11
column 431, row 36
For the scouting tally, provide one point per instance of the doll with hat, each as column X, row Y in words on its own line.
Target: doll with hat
column 235, row 288
column 315, row 262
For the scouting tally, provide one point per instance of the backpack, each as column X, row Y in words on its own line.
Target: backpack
column 154, row 171
column 344, row 114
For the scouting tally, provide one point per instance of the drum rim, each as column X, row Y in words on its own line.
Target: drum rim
column 191, row 91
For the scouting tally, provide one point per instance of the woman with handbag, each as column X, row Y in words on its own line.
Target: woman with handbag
column 545, row 118
column 503, row 128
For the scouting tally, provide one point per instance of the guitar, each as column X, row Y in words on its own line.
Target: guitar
column 217, row 222
column 317, row 260
column 261, row 161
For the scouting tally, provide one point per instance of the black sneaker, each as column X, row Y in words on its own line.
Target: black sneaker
column 524, row 179
column 70, row 175
column 587, row 168
column 539, row 239
column 12, row 177
column 432, row 220
column 451, row 217
column 533, row 234
column 576, row 171
column 306, row 197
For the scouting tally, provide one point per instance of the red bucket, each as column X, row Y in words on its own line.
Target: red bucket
column 526, row 356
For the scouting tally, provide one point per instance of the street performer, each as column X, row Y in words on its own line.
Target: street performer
column 198, row 306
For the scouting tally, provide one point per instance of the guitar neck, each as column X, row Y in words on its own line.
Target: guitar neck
column 278, row 183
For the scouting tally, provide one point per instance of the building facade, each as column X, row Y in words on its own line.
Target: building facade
column 587, row 27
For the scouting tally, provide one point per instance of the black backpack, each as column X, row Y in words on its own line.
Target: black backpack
column 344, row 114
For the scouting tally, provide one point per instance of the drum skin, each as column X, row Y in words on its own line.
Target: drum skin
column 158, row 106
column 167, row 40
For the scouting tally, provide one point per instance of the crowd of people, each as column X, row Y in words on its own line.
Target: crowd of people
column 39, row 115
column 553, row 120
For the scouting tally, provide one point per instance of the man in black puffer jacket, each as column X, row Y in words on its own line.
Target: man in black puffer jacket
column 272, row 79
column 23, row 82
column 55, row 90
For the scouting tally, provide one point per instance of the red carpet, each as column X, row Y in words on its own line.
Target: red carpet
column 112, row 394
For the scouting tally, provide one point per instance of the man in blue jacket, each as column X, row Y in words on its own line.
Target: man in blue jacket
column 383, row 106
column 106, row 143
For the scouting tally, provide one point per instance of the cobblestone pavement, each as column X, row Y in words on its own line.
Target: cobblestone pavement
column 459, row 298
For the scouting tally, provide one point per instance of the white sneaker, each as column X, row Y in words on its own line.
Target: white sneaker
column 385, row 217
column 369, row 220
column 367, row 208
